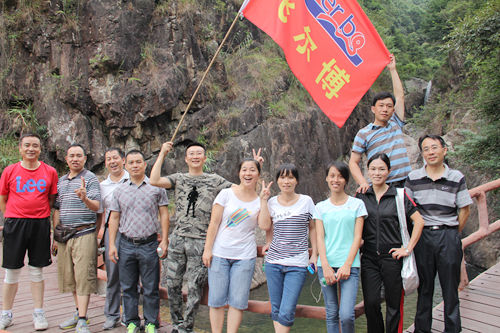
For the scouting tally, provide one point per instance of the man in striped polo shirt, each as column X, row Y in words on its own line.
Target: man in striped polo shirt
column 78, row 200
column 444, row 202
column 384, row 135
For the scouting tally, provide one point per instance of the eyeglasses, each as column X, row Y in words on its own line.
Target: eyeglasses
column 432, row 148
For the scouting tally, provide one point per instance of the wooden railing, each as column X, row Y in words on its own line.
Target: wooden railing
column 318, row 312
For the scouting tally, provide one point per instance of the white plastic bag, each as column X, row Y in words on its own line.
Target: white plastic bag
column 409, row 273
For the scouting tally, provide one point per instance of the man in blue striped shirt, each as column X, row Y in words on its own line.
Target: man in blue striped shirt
column 444, row 202
column 384, row 135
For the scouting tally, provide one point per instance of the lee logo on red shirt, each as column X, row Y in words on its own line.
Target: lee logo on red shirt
column 30, row 186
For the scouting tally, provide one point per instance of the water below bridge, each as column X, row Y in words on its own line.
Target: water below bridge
column 254, row 322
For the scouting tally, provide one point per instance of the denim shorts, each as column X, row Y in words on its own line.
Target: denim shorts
column 229, row 282
column 284, row 284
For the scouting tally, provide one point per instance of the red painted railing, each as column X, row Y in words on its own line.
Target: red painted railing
column 485, row 228
column 318, row 312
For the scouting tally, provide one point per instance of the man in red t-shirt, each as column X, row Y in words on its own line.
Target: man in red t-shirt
column 27, row 192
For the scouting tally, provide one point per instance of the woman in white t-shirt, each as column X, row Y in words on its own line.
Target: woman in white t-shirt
column 230, row 248
column 287, row 219
column 339, row 229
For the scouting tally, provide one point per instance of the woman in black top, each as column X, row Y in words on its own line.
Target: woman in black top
column 382, row 250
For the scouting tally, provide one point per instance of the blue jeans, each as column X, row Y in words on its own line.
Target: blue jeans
column 229, row 282
column 139, row 260
column 348, row 290
column 284, row 284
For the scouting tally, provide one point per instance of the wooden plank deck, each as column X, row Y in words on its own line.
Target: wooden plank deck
column 479, row 305
column 58, row 307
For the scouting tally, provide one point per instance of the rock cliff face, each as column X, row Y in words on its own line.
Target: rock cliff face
column 120, row 73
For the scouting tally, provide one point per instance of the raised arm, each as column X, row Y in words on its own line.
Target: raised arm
column 155, row 176
column 258, row 157
column 397, row 88
column 264, row 215
column 356, row 172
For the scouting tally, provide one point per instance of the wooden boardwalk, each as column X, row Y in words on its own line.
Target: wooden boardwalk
column 479, row 305
column 58, row 307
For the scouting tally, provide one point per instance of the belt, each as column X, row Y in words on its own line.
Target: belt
column 383, row 249
column 83, row 227
column 440, row 227
column 140, row 240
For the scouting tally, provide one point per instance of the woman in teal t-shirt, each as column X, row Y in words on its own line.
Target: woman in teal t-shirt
column 339, row 229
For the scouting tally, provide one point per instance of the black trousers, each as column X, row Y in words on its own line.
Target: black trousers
column 375, row 271
column 438, row 251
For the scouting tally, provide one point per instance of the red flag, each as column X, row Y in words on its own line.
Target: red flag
column 330, row 46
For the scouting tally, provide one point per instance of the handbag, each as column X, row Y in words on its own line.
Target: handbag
column 63, row 233
column 409, row 273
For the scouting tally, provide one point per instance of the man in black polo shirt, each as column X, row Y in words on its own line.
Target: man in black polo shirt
column 444, row 202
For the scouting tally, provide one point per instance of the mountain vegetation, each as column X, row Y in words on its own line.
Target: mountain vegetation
column 456, row 44
column 453, row 43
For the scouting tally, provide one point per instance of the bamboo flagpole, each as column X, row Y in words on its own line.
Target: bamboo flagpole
column 203, row 77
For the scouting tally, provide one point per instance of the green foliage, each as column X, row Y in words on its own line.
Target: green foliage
column 21, row 118
column 258, row 73
column 9, row 151
column 295, row 99
column 210, row 162
column 70, row 13
column 98, row 61
column 481, row 150
column 133, row 79
column 23, row 115
column 436, row 114
column 147, row 54
column 476, row 41
column 202, row 136
column 162, row 8
column 414, row 30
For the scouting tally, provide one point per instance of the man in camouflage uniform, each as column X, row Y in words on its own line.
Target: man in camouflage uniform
column 194, row 193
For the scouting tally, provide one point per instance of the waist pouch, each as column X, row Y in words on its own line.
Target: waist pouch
column 63, row 233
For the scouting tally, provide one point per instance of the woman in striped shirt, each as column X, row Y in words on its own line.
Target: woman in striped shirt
column 287, row 219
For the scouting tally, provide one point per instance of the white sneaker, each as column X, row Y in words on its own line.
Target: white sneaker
column 39, row 321
column 82, row 326
column 70, row 323
column 5, row 320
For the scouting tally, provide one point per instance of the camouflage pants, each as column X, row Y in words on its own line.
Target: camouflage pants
column 184, row 257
